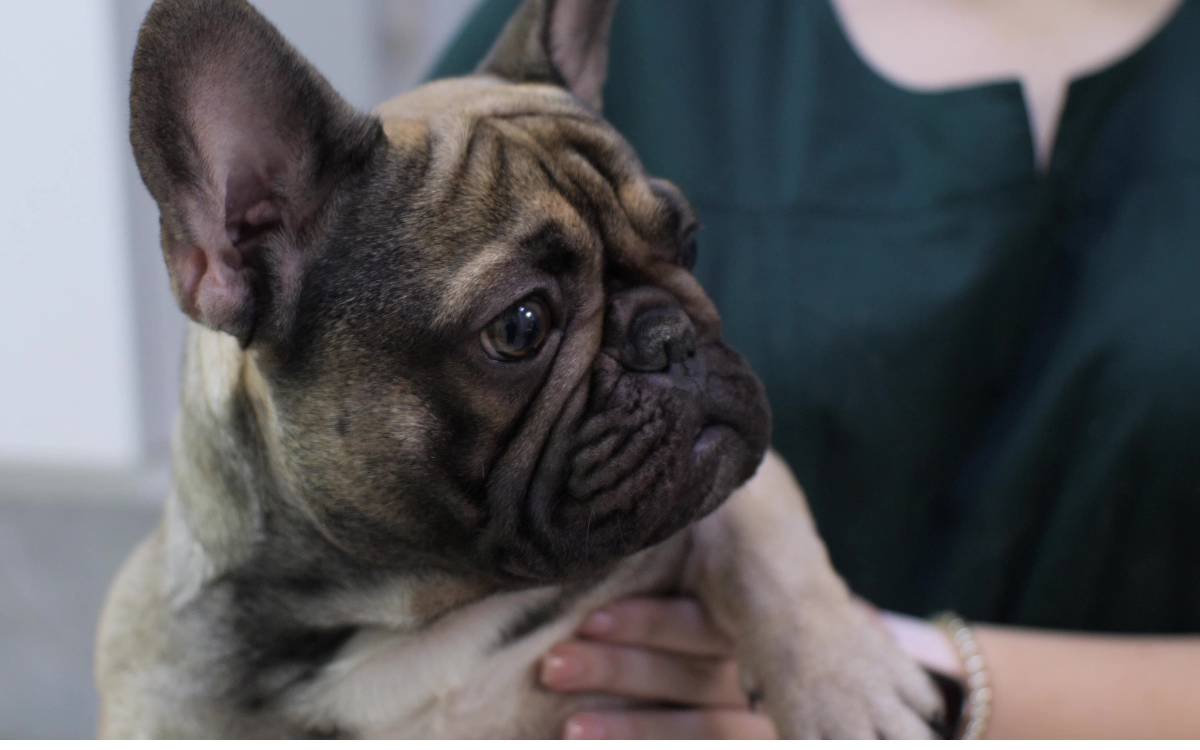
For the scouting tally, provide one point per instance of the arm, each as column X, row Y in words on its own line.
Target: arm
column 1052, row 685
column 1047, row 684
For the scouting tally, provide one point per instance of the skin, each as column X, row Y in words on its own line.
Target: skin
column 1047, row 685
column 655, row 649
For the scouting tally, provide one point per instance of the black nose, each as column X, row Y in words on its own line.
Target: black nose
column 647, row 331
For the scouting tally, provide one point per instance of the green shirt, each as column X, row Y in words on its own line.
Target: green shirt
column 987, row 378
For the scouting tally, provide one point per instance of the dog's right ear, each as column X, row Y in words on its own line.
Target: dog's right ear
column 241, row 142
column 561, row 42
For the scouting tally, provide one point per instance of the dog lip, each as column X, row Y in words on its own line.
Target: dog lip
column 710, row 436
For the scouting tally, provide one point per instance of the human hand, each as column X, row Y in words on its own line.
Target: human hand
column 656, row 650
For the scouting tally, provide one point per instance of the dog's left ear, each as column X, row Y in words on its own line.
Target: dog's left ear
column 561, row 42
column 242, row 144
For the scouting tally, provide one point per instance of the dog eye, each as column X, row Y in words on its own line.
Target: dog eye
column 687, row 253
column 516, row 333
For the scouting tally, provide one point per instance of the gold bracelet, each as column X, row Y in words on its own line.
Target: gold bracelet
column 977, row 706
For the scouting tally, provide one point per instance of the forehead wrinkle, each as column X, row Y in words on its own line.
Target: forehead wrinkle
column 480, row 96
column 455, row 134
column 536, row 198
column 481, row 273
column 452, row 141
column 470, row 280
column 475, row 170
column 613, row 169
column 594, row 169
column 556, row 160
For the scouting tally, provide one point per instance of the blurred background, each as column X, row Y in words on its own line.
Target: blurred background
column 90, row 338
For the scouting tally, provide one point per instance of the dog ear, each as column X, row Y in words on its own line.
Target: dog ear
column 562, row 42
column 241, row 142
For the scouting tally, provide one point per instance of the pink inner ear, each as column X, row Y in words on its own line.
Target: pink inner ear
column 244, row 229
column 242, row 135
column 227, row 118
column 191, row 266
column 263, row 212
column 249, row 173
column 214, row 287
column 250, row 169
column 579, row 45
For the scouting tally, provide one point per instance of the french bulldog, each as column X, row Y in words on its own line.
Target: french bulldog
column 449, row 385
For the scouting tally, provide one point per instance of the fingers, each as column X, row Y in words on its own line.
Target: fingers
column 678, row 624
column 647, row 674
column 681, row 725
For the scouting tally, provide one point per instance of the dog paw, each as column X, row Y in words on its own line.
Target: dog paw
column 842, row 677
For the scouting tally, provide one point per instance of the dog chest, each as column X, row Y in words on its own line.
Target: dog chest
column 465, row 675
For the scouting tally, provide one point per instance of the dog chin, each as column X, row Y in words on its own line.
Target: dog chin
column 603, row 529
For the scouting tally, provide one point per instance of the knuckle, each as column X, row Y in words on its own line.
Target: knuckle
column 595, row 666
column 666, row 621
column 631, row 616
column 655, row 621
column 604, row 667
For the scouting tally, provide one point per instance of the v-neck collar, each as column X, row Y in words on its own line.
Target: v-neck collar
column 1086, row 99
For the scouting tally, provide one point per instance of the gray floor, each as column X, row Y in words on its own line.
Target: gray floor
column 56, row 561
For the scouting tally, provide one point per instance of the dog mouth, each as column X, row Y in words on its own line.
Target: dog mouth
column 710, row 438
column 721, row 453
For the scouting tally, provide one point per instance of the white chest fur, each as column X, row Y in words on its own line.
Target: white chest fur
column 452, row 679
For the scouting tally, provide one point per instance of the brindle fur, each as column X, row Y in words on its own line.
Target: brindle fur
column 373, row 528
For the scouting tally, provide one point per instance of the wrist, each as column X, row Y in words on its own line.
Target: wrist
column 946, row 647
column 976, row 707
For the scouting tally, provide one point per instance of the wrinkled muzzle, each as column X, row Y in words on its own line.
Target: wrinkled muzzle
column 673, row 422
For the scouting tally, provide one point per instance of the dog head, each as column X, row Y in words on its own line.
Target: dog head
column 467, row 320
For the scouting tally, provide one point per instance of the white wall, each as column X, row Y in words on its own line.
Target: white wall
column 67, row 367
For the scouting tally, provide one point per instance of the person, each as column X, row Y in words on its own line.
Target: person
column 959, row 241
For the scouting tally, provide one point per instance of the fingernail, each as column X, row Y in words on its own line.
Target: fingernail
column 584, row 728
column 560, row 670
column 598, row 623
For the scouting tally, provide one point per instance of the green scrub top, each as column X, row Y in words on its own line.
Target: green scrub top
column 986, row 377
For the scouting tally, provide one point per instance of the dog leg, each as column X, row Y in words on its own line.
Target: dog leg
column 824, row 668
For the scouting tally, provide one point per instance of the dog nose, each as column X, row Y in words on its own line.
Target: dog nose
column 647, row 330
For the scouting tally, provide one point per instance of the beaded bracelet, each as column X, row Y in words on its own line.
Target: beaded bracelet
column 977, row 707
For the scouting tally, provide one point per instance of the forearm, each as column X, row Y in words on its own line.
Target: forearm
column 1072, row 685
column 1062, row 685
